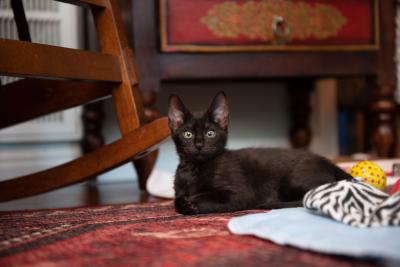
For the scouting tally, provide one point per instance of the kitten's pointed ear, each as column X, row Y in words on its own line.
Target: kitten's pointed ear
column 219, row 110
column 176, row 112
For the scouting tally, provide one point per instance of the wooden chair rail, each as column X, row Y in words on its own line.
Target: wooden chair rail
column 89, row 165
column 19, row 58
column 30, row 94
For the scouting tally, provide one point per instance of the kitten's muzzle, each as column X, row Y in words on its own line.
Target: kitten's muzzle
column 199, row 146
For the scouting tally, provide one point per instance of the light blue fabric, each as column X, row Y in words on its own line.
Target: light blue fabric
column 300, row 228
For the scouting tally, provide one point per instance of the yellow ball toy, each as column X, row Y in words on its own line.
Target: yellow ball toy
column 371, row 173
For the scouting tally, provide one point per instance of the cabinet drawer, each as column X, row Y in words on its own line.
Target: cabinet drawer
column 269, row 25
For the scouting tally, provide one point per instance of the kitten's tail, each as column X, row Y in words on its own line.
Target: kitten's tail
column 341, row 174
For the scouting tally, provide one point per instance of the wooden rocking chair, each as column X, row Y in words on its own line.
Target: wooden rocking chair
column 60, row 78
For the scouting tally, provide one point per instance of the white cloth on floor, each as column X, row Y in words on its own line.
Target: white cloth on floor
column 161, row 184
column 301, row 228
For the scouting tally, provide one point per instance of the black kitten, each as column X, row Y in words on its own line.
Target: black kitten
column 211, row 178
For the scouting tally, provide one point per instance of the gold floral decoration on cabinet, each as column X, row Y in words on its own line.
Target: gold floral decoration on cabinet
column 254, row 20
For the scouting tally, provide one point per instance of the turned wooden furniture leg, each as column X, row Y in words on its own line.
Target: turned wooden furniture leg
column 300, row 132
column 149, row 100
column 92, row 120
column 145, row 165
column 383, row 107
column 384, row 134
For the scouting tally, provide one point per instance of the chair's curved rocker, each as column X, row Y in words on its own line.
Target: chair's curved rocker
column 74, row 77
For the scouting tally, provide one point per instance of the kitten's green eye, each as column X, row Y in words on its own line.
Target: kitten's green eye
column 187, row 135
column 210, row 134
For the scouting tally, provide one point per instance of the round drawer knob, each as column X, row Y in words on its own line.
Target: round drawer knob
column 281, row 31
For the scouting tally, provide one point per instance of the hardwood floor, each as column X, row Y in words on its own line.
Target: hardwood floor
column 83, row 194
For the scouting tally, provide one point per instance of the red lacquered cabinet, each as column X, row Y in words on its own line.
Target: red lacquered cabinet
column 240, row 26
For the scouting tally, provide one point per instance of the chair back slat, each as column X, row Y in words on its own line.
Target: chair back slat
column 27, row 59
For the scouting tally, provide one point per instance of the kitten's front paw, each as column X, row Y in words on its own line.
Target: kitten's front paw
column 185, row 206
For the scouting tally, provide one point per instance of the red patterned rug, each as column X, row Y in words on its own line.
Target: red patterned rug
column 151, row 234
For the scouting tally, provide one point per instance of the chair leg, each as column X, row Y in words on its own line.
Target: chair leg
column 144, row 166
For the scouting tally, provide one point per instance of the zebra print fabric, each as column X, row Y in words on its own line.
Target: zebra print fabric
column 354, row 203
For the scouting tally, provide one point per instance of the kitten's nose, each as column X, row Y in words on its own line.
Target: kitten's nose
column 199, row 145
